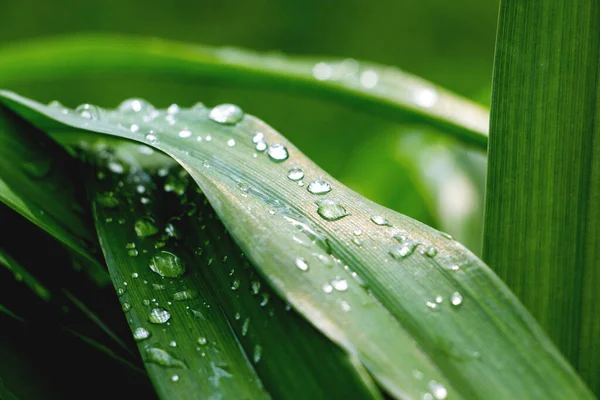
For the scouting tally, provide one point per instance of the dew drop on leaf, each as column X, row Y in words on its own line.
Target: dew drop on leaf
column 403, row 250
column 301, row 264
column 227, row 114
column 261, row 146
column 145, row 227
column 258, row 137
column 167, row 264
column 184, row 133
column 134, row 106
column 278, row 152
column 379, row 220
column 159, row 315
column 339, row 284
column 331, row 210
column 319, row 187
column 295, row 174
column 140, row 334
column 256, row 356
column 438, row 390
column 231, row 142
column 107, row 199
column 327, row 288
column 162, row 358
column 88, row 111
column 185, row 295
column 456, row 299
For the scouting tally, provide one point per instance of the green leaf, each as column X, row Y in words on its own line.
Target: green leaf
column 22, row 274
column 36, row 181
column 542, row 223
column 219, row 317
column 407, row 292
column 385, row 90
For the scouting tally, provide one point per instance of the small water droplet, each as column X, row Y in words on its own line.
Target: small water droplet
column 278, row 152
column 301, row 263
column 456, row 299
column 132, row 106
column 107, row 199
column 185, row 295
column 243, row 187
column 379, row 220
column 184, row 133
column 235, row 284
column 135, row 275
column 162, row 358
column 173, row 109
column 173, row 343
column 134, row 128
column 429, row 251
column 322, row 71
column 255, row 287
column 167, row 264
column 345, row 306
column 152, row 138
column 140, row 334
column 257, row 353
column 145, row 227
column 339, row 284
column 175, row 378
column 331, row 210
column 403, row 250
column 439, row 299
column 295, row 174
column 446, row 236
column 227, row 114
column 327, row 288
column 88, row 111
column 431, row 305
column 120, row 291
column 231, row 142
column 126, row 307
column 369, row 79
column 427, row 97
column 261, row 146
column 319, row 187
column 265, row 299
column 245, row 326
column 258, row 137
column 438, row 390
column 159, row 315
column 202, row 340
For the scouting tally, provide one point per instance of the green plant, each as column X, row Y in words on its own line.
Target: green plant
column 243, row 269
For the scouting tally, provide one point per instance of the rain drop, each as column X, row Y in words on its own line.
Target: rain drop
column 301, row 264
column 295, row 174
column 167, row 264
column 258, row 137
column 456, row 299
column 107, row 199
column 132, row 106
column 438, row 390
column 339, row 284
column 319, row 187
column 159, row 316
column 331, row 210
column 184, row 133
column 257, row 353
column 379, row 220
column 145, row 227
column 185, row 295
column 327, row 288
column 261, row 146
column 88, row 111
column 162, row 358
column 278, row 152
column 140, row 334
column 227, row 114
column 231, row 142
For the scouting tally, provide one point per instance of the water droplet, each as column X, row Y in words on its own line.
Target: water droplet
column 427, row 97
column 295, row 174
column 126, row 307
column 255, row 287
column 243, row 187
column 431, row 305
column 439, row 299
column 184, row 133
column 88, row 111
column 345, row 306
column 173, row 109
column 175, row 378
column 258, row 137
column 339, row 284
column 319, row 187
column 145, row 227
column 107, row 199
column 152, row 138
column 159, row 315
column 369, row 79
column 245, row 326
column 277, row 152
column 231, row 142
column 322, row 71
column 132, row 106
column 331, row 210
column 265, row 299
column 446, row 236
column 173, row 343
column 120, row 291
column 227, row 114
column 134, row 128
column 438, row 390
column 167, row 264
column 301, row 263
column 403, row 250
column 162, row 358
column 429, row 251
column 257, row 353
column 379, row 220
column 357, row 232
column 456, row 299
column 140, row 334
column 327, row 288
column 185, row 295
column 235, row 284
column 356, row 242
column 202, row 340
column 261, row 146
column 135, row 275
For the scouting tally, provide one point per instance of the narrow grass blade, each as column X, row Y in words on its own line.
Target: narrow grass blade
column 382, row 89
column 22, row 274
column 542, row 223
column 36, row 180
column 404, row 292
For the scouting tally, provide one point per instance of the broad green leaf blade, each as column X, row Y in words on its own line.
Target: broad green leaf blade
column 542, row 223
column 186, row 343
column 385, row 90
column 36, row 181
column 403, row 292
column 24, row 275
column 287, row 353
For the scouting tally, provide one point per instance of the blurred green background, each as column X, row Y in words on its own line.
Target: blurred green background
column 406, row 167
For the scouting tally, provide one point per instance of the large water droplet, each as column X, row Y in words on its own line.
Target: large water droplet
column 339, row 284
column 88, row 111
column 140, row 334
column 133, row 106
column 295, row 174
column 159, row 315
column 403, row 250
column 277, row 152
column 319, row 187
column 162, row 358
column 184, row 295
column 145, row 227
column 227, row 114
column 456, row 299
column 301, row 263
column 331, row 210
column 379, row 220
column 167, row 264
